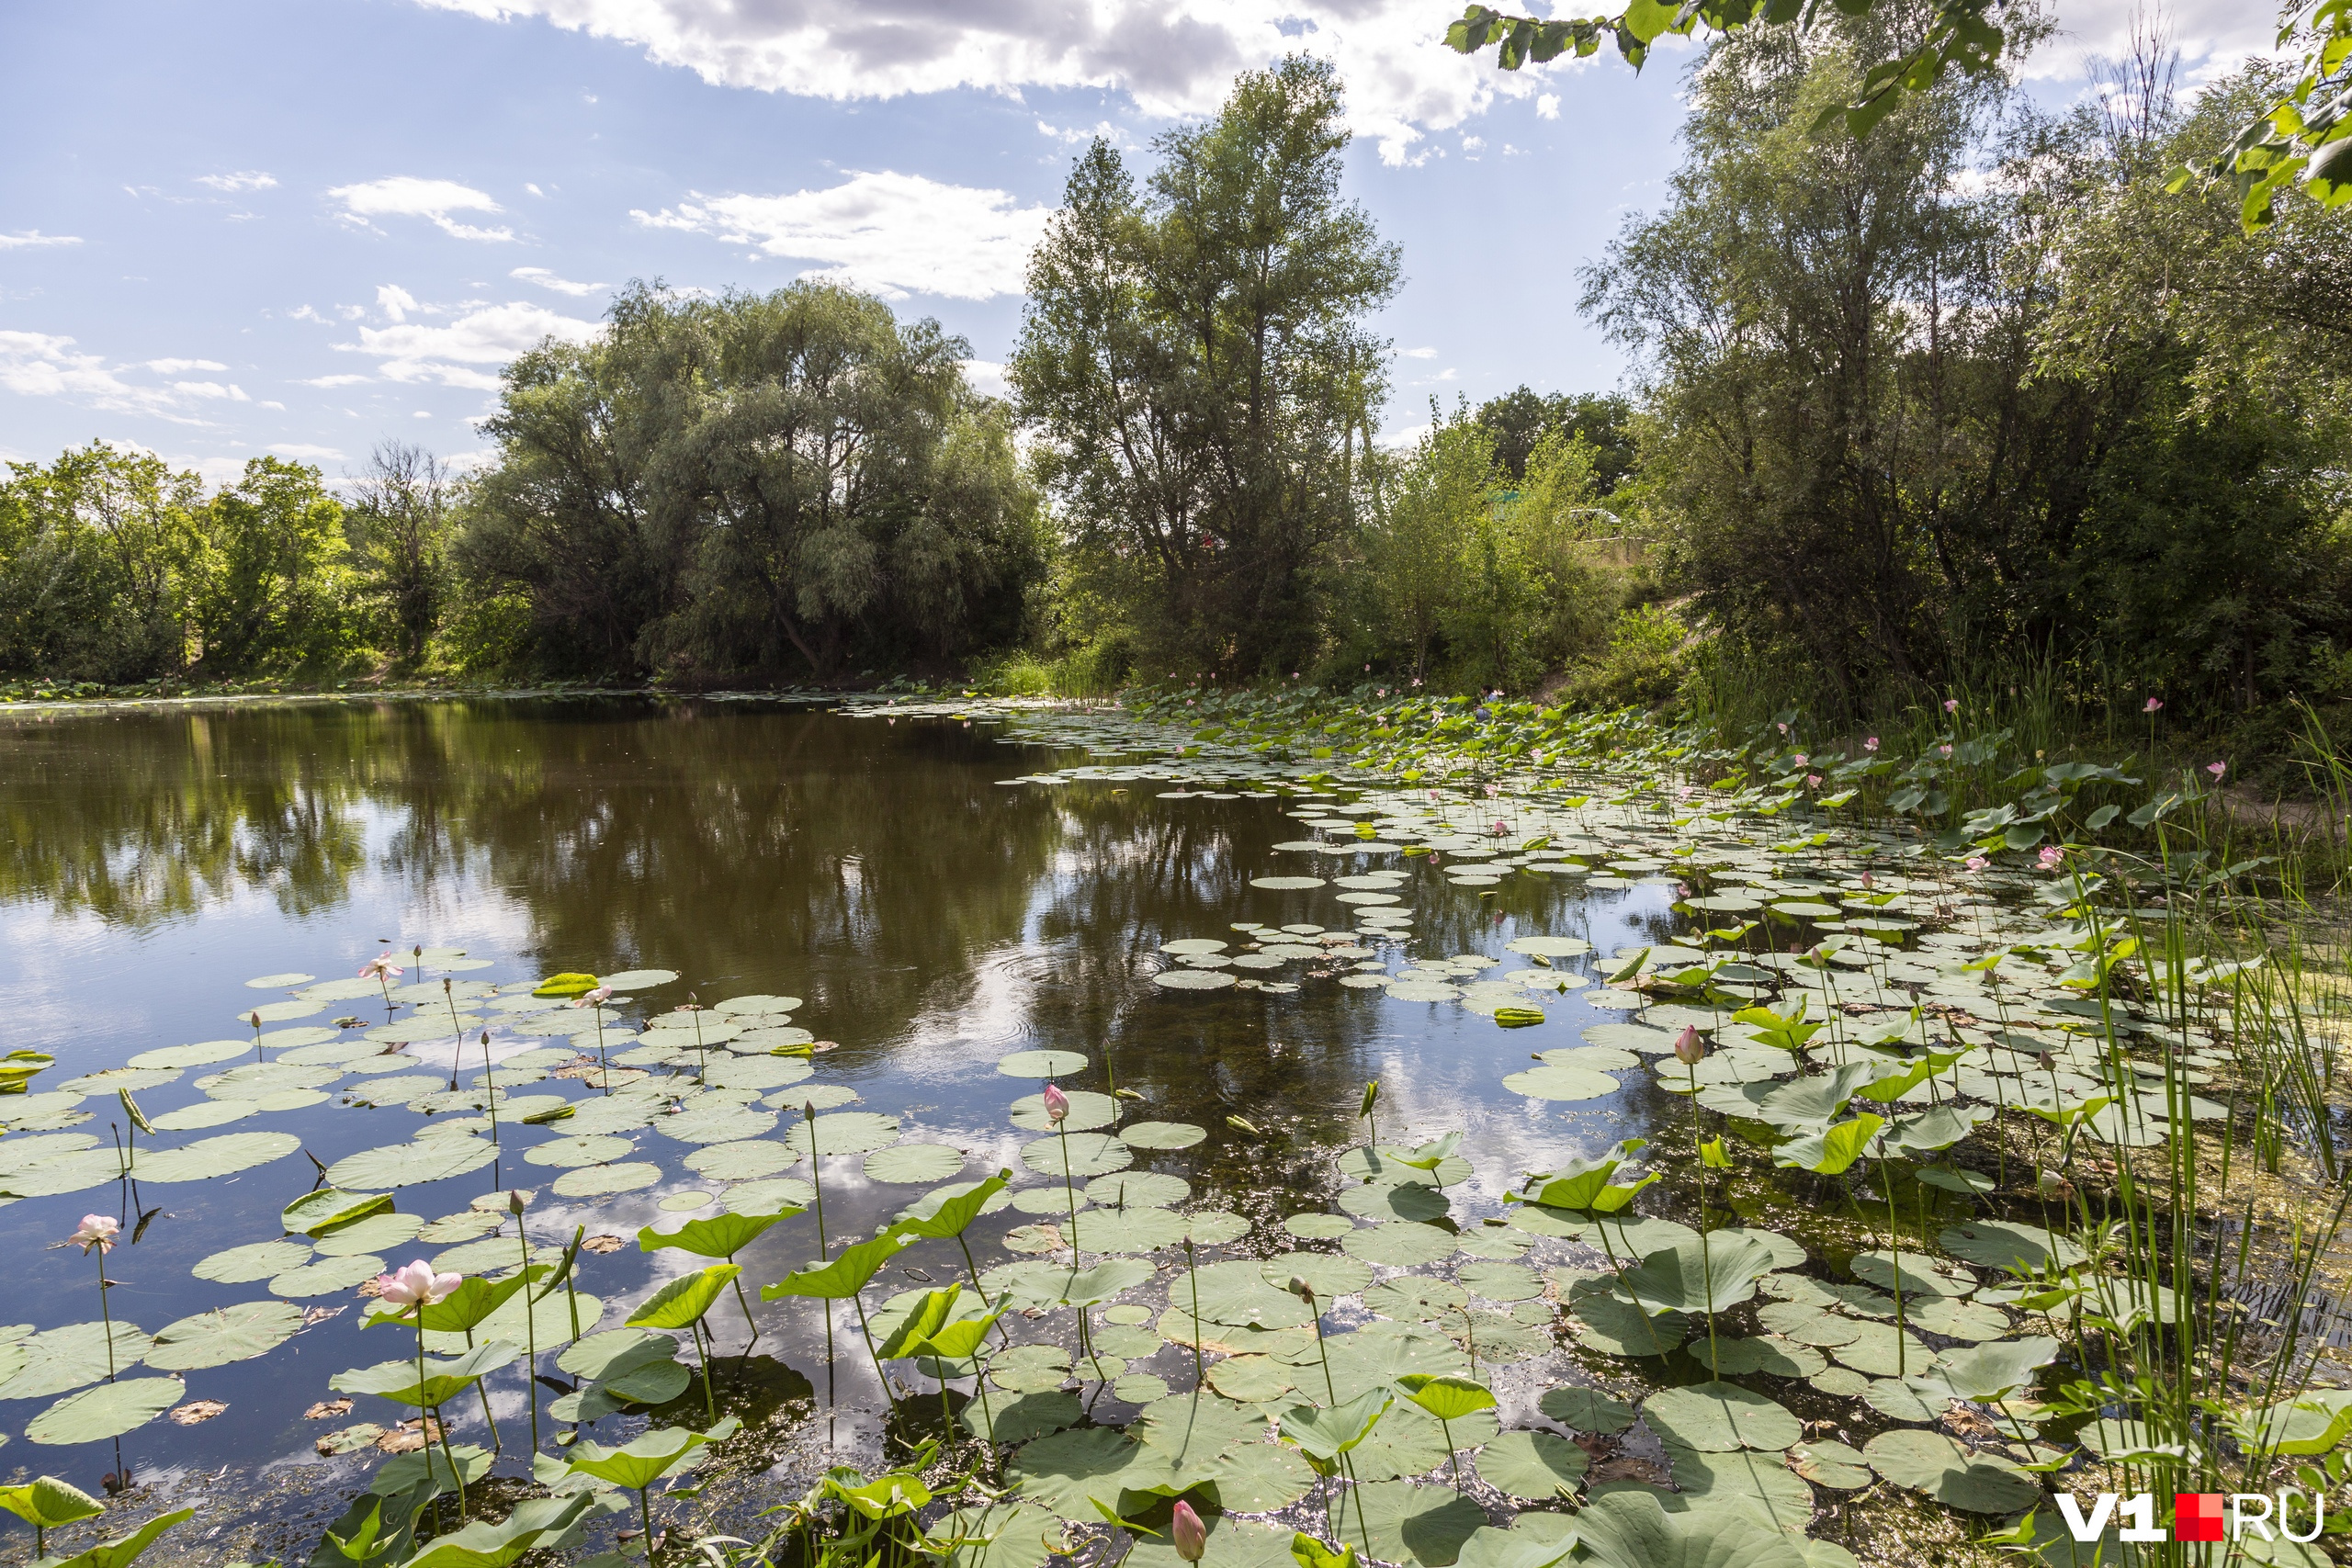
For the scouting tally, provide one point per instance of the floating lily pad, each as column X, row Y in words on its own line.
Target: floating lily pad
column 1399, row 1201
column 600, row 1180
column 1041, row 1064
column 638, row 979
column 1719, row 1417
column 766, row 1197
column 377, row 1232
column 326, row 1276
column 1318, row 1227
column 409, row 1164
column 1019, row 1419
column 756, row 1072
column 1947, row 1471
column 1285, row 884
column 1408, row 1524
column 1768, row 1354
column 847, row 1133
column 1620, row 1328
column 1237, row 1294
column 914, row 1163
column 201, row 1054
column 2005, row 1244
column 1551, row 1082
column 107, row 1411
column 595, row 1149
column 1329, row 1275
column 224, row 1335
column 1532, row 1465
column 1135, row 1230
column 1500, row 1281
column 1162, row 1135
column 704, row 1122
column 1586, row 1410
column 208, row 1157
column 1252, row 1380
column 1192, row 979
column 62, row 1358
column 746, row 1161
column 1076, row 1154
column 254, row 1260
column 1137, row 1189
column 1755, row 1483
column 1400, row 1245
column 1087, row 1113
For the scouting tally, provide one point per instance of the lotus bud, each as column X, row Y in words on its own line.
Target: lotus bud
column 1056, row 1105
column 253, row 1020
column 1190, row 1536
column 1688, row 1048
column 1299, row 1287
column 515, row 1200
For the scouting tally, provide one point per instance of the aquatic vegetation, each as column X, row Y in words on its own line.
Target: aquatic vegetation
column 2021, row 1178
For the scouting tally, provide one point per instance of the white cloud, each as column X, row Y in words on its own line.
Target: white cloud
column 1172, row 57
column 44, row 365
column 547, row 280
column 1418, row 352
column 489, row 334
column 2215, row 37
column 890, row 232
column 534, row 189
column 987, row 377
column 243, row 179
column 305, row 313
column 302, row 453
column 394, row 300
column 335, row 380
column 405, row 196
column 271, row 403
column 1547, row 106
column 181, row 366
column 31, row 237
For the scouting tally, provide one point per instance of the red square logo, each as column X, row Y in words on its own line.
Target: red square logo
column 2197, row 1516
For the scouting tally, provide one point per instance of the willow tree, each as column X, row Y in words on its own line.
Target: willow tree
column 759, row 482
column 1196, row 358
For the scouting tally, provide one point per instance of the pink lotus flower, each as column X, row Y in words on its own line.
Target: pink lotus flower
column 1801, row 759
column 1812, row 781
column 1943, row 751
column 1951, row 704
column 2050, row 856
column 2153, row 704
column 380, row 967
column 604, row 994
column 1978, row 863
column 1781, row 727
column 99, row 1231
column 1688, row 1048
column 1190, row 1536
column 1871, row 744
column 2217, row 769
column 1493, row 790
column 1057, row 1104
column 416, row 1285
column 1868, row 880
column 1417, row 680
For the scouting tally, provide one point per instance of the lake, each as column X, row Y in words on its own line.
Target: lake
column 931, row 918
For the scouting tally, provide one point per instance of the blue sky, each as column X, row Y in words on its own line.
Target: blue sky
column 260, row 226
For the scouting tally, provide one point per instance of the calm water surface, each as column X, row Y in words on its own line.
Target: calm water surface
column 933, row 918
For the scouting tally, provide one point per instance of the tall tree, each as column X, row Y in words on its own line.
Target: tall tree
column 1196, row 359
column 100, row 556
column 757, row 482
column 272, row 593
column 400, row 524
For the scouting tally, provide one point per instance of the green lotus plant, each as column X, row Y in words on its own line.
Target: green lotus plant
column 45, row 1503
column 645, row 1460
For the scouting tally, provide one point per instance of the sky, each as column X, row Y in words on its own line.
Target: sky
column 262, row 226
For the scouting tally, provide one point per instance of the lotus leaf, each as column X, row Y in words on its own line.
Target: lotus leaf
column 1237, row 1294
column 599, row 1180
column 107, row 1411
column 1018, row 1420
column 1631, row 1530
column 1137, row 1189
column 1586, row 1410
column 845, row 1133
column 254, row 1260
column 1947, row 1471
column 1717, row 1417
column 1407, row 1524
column 1697, row 1276
column 1196, row 1431
column 1761, row 1485
column 1329, row 1275
column 61, row 1358
column 1769, row 1354
column 1162, row 1135
column 1087, row 1153
column 1399, row 1201
column 326, row 1276
column 1532, row 1465
column 1318, row 1227
column 591, row 1148
column 914, row 1163
column 1041, row 1064
column 1400, row 1245
column 224, row 1335
column 409, row 1164
column 2004, row 1243
column 377, row 1233
column 1088, row 1111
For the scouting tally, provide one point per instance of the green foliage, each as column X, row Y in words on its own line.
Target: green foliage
column 765, row 483
column 1521, row 420
column 1195, row 356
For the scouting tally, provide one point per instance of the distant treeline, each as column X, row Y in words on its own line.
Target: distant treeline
column 1972, row 399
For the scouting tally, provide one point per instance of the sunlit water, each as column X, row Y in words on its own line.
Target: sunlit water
column 933, row 919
